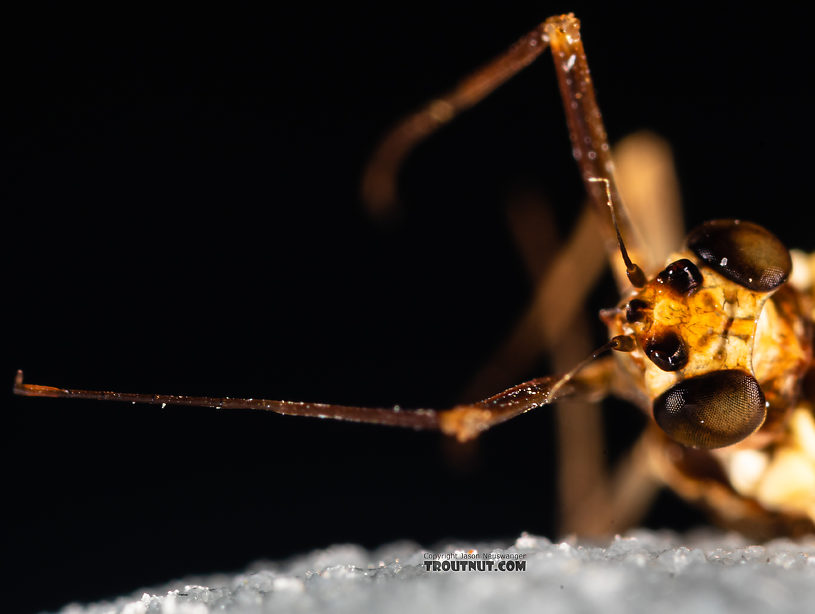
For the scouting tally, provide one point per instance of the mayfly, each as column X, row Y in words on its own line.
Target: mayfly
column 714, row 345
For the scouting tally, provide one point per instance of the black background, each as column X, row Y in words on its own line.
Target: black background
column 181, row 215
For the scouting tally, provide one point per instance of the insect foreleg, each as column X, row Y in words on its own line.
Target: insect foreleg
column 379, row 180
column 463, row 422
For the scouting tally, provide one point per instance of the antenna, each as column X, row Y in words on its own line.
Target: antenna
column 633, row 271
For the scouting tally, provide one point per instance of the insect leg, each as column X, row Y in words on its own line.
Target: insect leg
column 379, row 179
column 559, row 295
column 464, row 422
column 647, row 180
column 590, row 143
column 620, row 501
column 648, row 184
column 581, row 459
column 595, row 499
column 417, row 419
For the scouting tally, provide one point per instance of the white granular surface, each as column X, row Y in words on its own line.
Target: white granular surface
column 641, row 572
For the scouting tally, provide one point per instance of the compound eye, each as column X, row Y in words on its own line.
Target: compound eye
column 743, row 252
column 713, row 410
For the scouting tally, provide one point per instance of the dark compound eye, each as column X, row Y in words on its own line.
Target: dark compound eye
column 743, row 252
column 667, row 351
column 681, row 276
column 712, row 410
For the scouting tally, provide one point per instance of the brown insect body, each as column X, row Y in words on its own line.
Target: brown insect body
column 676, row 328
